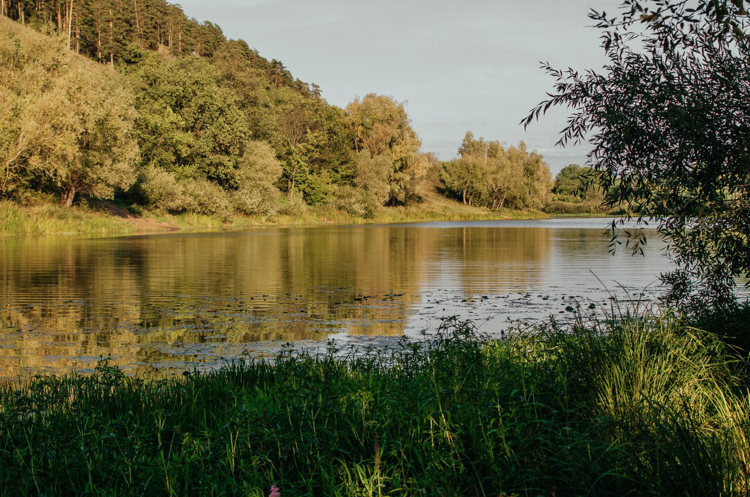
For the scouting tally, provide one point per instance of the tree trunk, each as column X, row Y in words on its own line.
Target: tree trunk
column 2, row 8
column 99, row 40
column 70, row 195
column 70, row 22
column 111, row 37
column 137, row 21
column 78, row 32
column 290, row 185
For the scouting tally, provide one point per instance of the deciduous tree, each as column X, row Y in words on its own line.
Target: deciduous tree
column 490, row 175
column 380, row 126
column 669, row 120
column 67, row 122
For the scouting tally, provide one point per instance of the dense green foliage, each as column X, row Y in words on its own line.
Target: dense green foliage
column 574, row 182
column 66, row 124
column 670, row 121
column 488, row 174
column 195, row 131
column 640, row 406
column 577, row 190
column 177, row 118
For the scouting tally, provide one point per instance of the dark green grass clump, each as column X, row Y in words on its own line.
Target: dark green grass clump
column 640, row 407
column 731, row 324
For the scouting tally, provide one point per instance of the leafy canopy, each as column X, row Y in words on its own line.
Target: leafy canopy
column 669, row 120
column 493, row 176
column 381, row 126
column 66, row 124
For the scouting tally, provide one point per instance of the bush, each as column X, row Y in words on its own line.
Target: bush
column 560, row 206
column 159, row 188
column 731, row 323
column 360, row 203
column 293, row 205
column 262, row 199
column 204, row 197
column 317, row 188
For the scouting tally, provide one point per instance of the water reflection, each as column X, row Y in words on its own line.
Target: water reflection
column 154, row 302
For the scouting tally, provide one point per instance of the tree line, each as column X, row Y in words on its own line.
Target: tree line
column 490, row 175
column 170, row 114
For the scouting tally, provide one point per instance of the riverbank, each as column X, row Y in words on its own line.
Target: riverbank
column 641, row 406
column 99, row 218
column 47, row 219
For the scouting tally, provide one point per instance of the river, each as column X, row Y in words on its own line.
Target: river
column 170, row 302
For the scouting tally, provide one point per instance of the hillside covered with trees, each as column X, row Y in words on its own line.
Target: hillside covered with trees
column 136, row 101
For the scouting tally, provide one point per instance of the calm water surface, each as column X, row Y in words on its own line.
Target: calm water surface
column 167, row 302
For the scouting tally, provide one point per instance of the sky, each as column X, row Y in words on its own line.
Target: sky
column 457, row 65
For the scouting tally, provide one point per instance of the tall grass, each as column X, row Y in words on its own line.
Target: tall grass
column 590, row 207
column 327, row 215
column 640, row 406
column 731, row 323
column 51, row 218
column 48, row 218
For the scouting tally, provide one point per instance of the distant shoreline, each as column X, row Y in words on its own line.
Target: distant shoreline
column 107, row 218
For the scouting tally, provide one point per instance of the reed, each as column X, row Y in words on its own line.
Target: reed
column 48, row 218
column 632, row 406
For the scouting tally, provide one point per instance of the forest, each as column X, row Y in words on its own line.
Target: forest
column 137, row 102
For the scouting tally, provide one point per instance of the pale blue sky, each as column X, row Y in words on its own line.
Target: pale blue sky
column 459, row 65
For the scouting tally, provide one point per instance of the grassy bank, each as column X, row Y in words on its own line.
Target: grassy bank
column 586, row 207
column 48, row 218
column 641, row 407
column 323, row 215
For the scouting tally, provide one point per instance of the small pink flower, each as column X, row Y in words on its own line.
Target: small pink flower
column 274, row 491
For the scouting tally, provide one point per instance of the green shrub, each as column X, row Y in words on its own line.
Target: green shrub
column 203, row 197
column 561, row 206
column 293, row 205
column 262, row 199
column 157, row 187
column 317, row 188
column 355, row 201
column 731, row 323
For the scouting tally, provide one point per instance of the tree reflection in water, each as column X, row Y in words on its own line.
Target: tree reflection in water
column 160, row 302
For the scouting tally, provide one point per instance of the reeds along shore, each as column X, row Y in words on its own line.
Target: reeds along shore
column 639, row 406
column 54, row 219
